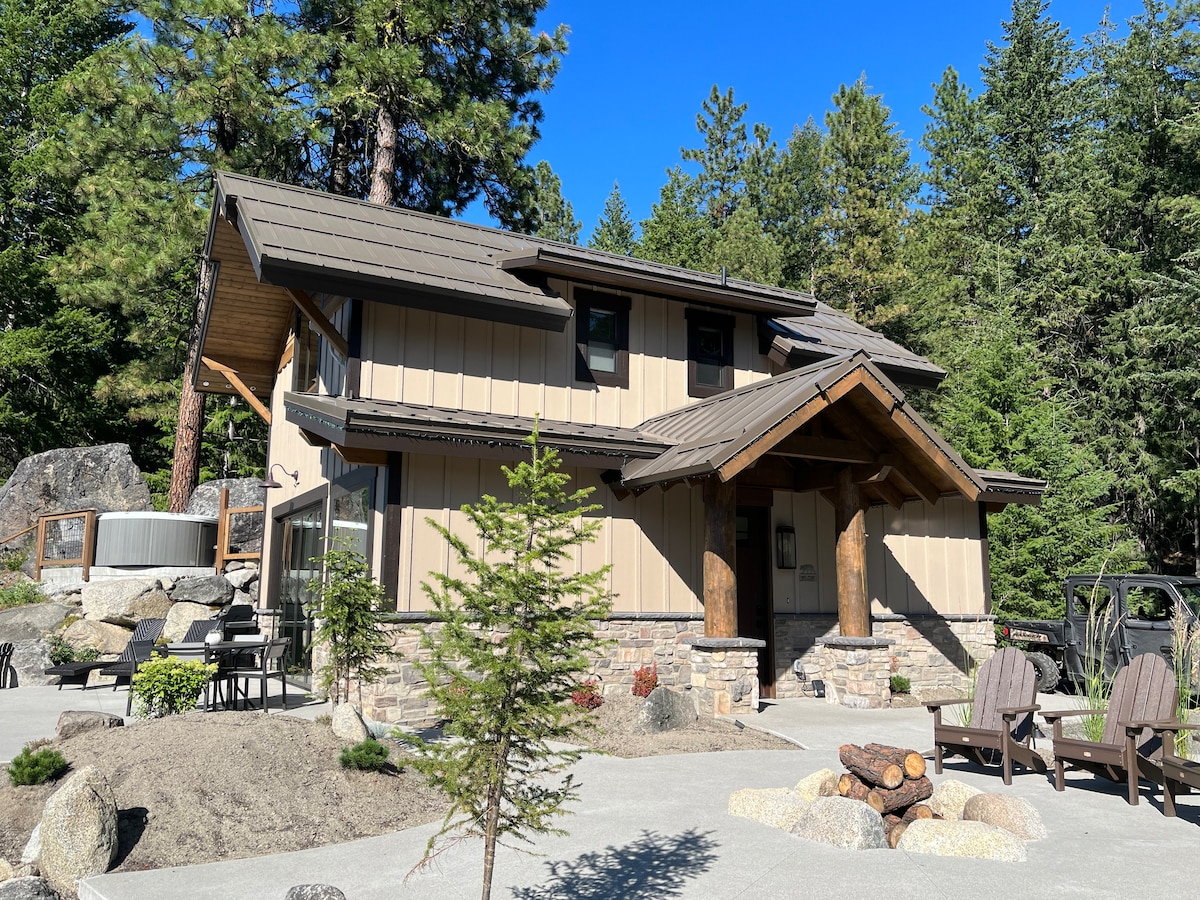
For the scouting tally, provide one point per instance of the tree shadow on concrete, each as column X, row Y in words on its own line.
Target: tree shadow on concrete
column 651, row 867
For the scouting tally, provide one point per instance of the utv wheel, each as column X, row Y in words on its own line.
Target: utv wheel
column 1047, row 671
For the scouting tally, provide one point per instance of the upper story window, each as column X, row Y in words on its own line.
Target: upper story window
column 602, row 338
column 710, row 353
column 306, row 354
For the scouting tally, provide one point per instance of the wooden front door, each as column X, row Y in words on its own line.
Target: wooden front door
column 755, row 614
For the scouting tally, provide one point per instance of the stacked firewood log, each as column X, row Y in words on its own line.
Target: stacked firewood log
column 890, row 780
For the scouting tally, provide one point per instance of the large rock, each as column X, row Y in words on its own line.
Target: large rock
column 36, row 620
column 242, row 578
column 125, row 601
column 79, row 830
column 76, row 721
column 777, row 807
column 246, row 530
column 101, row 636
column 842, row 822
column 210, row 590
column 28, row 888
column 181, row 616
column 949, row 798
column 314, row 892
column 822, row 783
column 665, row 710
column 349, row 725
column 101, row 478
column 6, row 870
column 1014, row 814
column 31, row 659
column 976, row 840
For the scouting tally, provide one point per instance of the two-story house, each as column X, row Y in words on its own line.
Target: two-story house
column 765, row 484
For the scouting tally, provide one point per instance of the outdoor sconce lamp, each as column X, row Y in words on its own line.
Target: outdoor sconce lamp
column 785, row 547
column 270, row 482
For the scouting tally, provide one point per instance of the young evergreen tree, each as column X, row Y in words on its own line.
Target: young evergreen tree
column 516, row 632
column 677, row 232
column 555, row 216
column 614, row 232
column 720, row 183
column 791, row 202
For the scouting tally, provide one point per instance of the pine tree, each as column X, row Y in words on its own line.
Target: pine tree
column 791, row 201
column 720, row 182
column 868, row 184
column 614, row 232
column 744, row 250
column 677, row 232
column 513, row 642
column 555, row 216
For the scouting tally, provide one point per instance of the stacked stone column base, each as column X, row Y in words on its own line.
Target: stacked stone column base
column 858, row 671
column 725, row 675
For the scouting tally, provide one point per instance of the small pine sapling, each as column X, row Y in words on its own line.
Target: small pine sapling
column 645, row 680
column 516, row 632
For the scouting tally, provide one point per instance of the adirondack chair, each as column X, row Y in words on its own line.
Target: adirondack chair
column 1144, row 694
column 1179, row 775
column 1001, row 717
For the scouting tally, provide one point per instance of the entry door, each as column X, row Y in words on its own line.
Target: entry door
column 755, row 616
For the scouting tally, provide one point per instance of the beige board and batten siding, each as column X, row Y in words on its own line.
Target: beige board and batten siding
column 446, row 360
column 920, row 559
column 653, row 543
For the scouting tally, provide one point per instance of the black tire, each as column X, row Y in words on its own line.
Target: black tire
column 1047, row 671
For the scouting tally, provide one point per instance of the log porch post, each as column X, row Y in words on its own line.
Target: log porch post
column 720, row 556
column 854, row 612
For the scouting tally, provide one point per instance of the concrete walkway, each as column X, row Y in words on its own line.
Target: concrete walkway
column 658, row 827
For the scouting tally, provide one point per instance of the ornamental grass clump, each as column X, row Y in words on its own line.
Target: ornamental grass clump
column 36, row 766
column 166, row 687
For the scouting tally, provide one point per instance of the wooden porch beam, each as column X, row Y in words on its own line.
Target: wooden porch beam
column 854, row 611
column 240, row 386
column 921, row 485
column 309, row 307
column 720, row 558
column 831, row 449
column 889, row 493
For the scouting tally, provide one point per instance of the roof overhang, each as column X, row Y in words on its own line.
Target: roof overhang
column 654, row 278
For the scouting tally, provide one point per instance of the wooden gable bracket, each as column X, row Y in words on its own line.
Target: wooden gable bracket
column 319, row 321
column 240, row 386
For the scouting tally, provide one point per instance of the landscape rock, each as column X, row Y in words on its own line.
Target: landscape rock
column 348, row 724
column 314, row 892
column 6, row 870
column 819, row 784
column 776, row 807
column 124, row 601
column 78, row 830
column 665, row 710
column 76, row 721
column 240, row 578
column 245, row 529
column 210, row 590
column 949, row 798
column 27, row 888
column 976, row 840
column 181, row 616
column 842, row 822
column 33, row 846
column 1014, row 814
column 98, row 635
column 30, row 659
column 103, row 478
column 36, row 620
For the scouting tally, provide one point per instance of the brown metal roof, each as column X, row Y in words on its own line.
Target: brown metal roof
column 829, row 333
column 389, row 425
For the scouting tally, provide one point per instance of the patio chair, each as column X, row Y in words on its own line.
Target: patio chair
column 145, row 630
column 239, row 619
column 270, row 665
column 199, row 630
column 1144, row 693
column 8, row 675
column 1001, row 717
column 1179, row 775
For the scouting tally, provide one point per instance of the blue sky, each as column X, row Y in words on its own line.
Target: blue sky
column 630, row 87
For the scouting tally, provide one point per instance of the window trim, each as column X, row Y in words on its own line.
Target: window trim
column 619, row 305
column 701, row 318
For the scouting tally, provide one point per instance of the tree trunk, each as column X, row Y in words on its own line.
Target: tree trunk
column 856, row 789
column 189, row 429
column 912, row 762
column 383, row 170
column 916, row 811
column 854, row 612
column 912, row 791
column 895, row 833
column 871, row 767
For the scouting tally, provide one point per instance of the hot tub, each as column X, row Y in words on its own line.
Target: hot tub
column 155, row 539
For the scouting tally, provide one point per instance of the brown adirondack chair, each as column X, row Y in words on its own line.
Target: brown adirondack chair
column 1001, row 717
column 1144, row 694
column 1179, row 775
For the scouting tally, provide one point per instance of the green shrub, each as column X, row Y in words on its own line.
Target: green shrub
column 587, row 696
column 36, row 767
column 164, row 687
column 61, row 652
column 368, row 756
column 645, row 680
column 900, row 684
column 15, row 559
column 21, row 594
